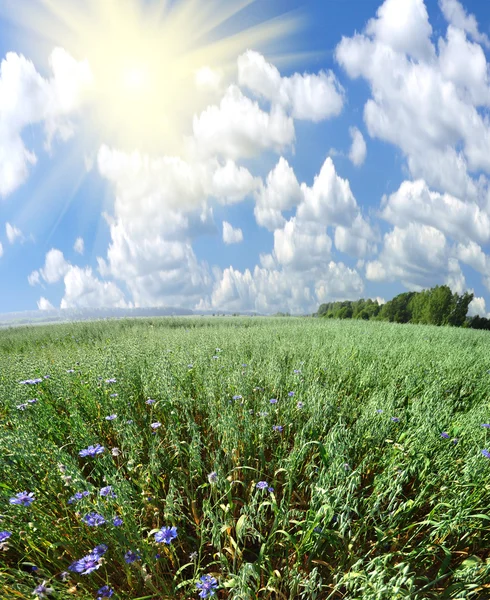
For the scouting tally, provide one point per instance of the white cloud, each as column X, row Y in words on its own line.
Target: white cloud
column 419, row 256
column 455, row 14
column 43, row 304
column 83, row 290
column 27, row 98
column 415, row 202
column 1, row 249
column 13, row 233
column 231, row 235
column 231, row 183
column 478, row 307
column 358, row 150
column 209, row 79
column 280, row 192
column 238, row 127
column 34, row 278
column 55, row 266
column 79, row 245
column 423, row 102
column 308, row 96
column 358, row 240
column 301, row 245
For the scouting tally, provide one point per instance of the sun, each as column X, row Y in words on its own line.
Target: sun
column 144, row 56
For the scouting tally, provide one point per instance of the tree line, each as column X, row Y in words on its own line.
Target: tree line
column 435, row 306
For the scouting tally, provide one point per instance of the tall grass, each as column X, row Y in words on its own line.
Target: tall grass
column 364, row 497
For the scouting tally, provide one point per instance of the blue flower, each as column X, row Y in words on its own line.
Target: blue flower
column 150, row 401
column 4, row 535
column 166, row 535
column 486, row 425
column 237, row 397
column 113, row 396
column 277, row 428
column 445, row 435
column 111, row 380
column 86, row 565
column 261, row 485
column 117, row 521
column 33, row 400
column 23, row 499
column 156, row 425
column 213, row 477
column 486, row 453
column 290, row 394
column 131, row 557
column 42, row 591
column 379, row 411
column 104, row 592
column 92, row 450
column 111, row 417
column 273, row 400
column 22, row 406
column 100, row 550
column 207, row 584
column 395, row 419
column 78, row 496
column 93, row 519
column 107, row 491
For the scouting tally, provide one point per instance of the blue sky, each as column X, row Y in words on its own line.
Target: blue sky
column 332, row 149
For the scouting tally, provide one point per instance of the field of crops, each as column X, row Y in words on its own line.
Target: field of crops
column 244, row 458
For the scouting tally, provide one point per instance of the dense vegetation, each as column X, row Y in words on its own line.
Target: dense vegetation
column 295, row 458
column 436, row 306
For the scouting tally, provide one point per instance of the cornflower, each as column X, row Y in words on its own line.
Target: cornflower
column 150, row 401
column 104, row 592
column 86, row 565
column 156, row 425
column 78, row 496
column 207, row 584
column 445, row 435
column 42, row 591
column 23, row 499
column 107, row 491
column 131, row 557
column 92, row 450
column 261, row 485
column 273, row 400
column 117, row 521
column 277, row 428
column 111, row 417
column 166, row 535
column 290, row 394
column 486, row 453
column 93, row 519
column 4, row 535
column 213, row 477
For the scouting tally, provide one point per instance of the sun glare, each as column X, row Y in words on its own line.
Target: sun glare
column 144, row 56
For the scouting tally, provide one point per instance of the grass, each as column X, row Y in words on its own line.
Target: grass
column 359, row 503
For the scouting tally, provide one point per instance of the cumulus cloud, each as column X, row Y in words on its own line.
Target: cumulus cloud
column 478, row 307
column 209, row 79
column 1, row 249
column 358, row 150
column 307, row 97
column 43, row 304
column 239, row 128
column 83, row 290
column 34, row 278
column 231, row 235
column 79, row 245
column 455, row 14
column 231, row 183
column 27, row 98
column 13, row 233
column 55, row 266
column 423, row 99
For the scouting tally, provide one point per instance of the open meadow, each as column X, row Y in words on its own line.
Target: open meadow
column 242, row 458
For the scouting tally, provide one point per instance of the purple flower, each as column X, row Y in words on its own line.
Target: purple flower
column 445, row 435
column 64, row 575
column 111, row 417
column 296, row 371
column 455, row 441
column 166, row 535
column 150, row 401
column 104, row 592
column 107, row 491
column 4, row 535
column 486, row 453
column 290, row 394
column 93, row 519
column 92, row 450
column 113, row 395
column 207, row 584
column 100, row 550
column 395, row 419
column 244, row 365
column 78, row 496
column 300, row 405
column 111, row 380
column 261, row 485
column 32, row 381
column 86, row 565
column 379, row 411
column 23, row 499
column 42, row 591
column 156, row 425
column 270, row 489
column 22, row 406
column 486, row 425
column 213, row 477
column 33, row 400
column 237, row 397
column 273, row 400
column 277, row 428
column 131, row 557
column 117, row 521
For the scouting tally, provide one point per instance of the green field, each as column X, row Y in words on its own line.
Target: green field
column 376, row 486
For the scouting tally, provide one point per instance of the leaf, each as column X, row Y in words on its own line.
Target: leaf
column 240, row 524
